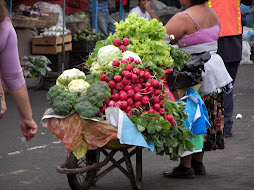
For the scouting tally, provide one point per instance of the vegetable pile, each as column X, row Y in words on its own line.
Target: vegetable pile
column 128, row 71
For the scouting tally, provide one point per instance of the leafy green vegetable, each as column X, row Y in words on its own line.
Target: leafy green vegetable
column 180, row 57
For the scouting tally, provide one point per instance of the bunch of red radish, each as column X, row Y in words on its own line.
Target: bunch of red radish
column 121, row 44
column 135, row 88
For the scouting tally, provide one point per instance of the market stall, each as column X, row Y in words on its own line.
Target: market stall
column 122, row 104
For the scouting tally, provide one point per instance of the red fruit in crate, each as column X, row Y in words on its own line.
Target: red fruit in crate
column 150, row 90
column 161, row 96
column 148, row 85
column 155, row 83
column 162, row 111
column 137, row 62
column 155, row 100
column 145, row 100
column 137, row 97
column 147, row 75
column 111, row 84
column 130, row 93
column 130, row 101
column 115, row 97
column 141, row 80
column 140, row 86
column 117, row 42
column 122, row 48
column 160, row 85
column 118, row 78
column 141, row 74
column 157, row 107
column 123, row 96
column 129, row 67
column 134, row 78
column 157, row 92
column 116, row 63
column 104, row 77
column 126, row 41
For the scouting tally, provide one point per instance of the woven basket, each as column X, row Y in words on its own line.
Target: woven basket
column 51, row 20
column 24, row 21
column 40, row 24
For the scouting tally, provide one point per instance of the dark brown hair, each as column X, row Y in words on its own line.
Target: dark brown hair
column 3, row 10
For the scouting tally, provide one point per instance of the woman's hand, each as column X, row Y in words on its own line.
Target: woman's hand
column 3, row 107
column 29, row 128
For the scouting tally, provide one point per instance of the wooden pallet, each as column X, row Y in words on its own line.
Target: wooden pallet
column 50, row 45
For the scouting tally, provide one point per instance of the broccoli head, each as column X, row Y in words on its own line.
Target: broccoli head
column 53, row 92
column 86, row 109
column 98, row 92
column 64, row 103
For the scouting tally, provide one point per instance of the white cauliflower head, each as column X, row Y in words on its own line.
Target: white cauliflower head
column 68, row 75
column 95, row 68
column 79, row 86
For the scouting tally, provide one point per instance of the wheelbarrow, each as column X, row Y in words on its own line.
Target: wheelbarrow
column 85, row 172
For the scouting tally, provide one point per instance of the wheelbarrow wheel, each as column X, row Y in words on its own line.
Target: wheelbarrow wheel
column 85, row 180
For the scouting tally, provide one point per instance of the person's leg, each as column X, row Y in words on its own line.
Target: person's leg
column 102, row 23
column 197, row 163
column 232, row 69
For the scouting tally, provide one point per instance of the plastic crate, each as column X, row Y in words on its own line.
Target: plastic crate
column 79, row 46
column 90, row 45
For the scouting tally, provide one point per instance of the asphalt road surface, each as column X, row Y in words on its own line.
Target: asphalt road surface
column 32, row 166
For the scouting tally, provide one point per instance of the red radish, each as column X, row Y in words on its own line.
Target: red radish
column 157, row 92
column 130, row 101
column 155, row 83
column 141, row 80
column 148, row 85
column 111, row 103
column 130, row 93
column 155, row 100
column 137, row 104
column 111, row 84
column 131, row 59
column 125, row 81
column 157, row 107
column 144, row 91
column 141, row 74
column 169, row 70
column 136, row 89
column 134, row 78
column 139, row 85
column 124, row 105
column 119, row 86
column 161, row 96
column 99, row 114
column 162, row 111
column 172, row 122
column 123, row 96
column 137, row 62
column 126, row 41
column 128, row 75
column 156, row 112
column 116, row 63
column 127, row 87
column 121, row 91
column 169, row 117
column 145, row 100
column 115, row 97
column 124, row 72
column 129, row 114
column 128, row 109
column 104, row 77
column 118, row 78
column 137, row 97
column 107, row 101
column 113, row 91
column 150, row 90
column 118, row 105
column 129, row 67
column 125, row 61
column 162, row 102
column 146, row 69
column 160, row 85
column 151, row 110
column 147, row 75
column 103, row 107
column 122, row 48
column 117, row 42
column 135, row 71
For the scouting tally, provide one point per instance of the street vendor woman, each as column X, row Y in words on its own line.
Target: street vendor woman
column 12, row 76
column 196, row 30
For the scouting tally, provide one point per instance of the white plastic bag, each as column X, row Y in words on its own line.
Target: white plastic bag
column 246, row 52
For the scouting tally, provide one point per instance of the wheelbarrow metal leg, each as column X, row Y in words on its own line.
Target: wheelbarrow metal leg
column 139, row 167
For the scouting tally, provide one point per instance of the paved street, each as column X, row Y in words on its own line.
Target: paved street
column 32, row 166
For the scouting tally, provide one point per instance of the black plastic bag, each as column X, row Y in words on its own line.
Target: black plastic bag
column 191, row 74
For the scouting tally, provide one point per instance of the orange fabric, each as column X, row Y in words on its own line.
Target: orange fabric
column 229, row 14
column 73, row 130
